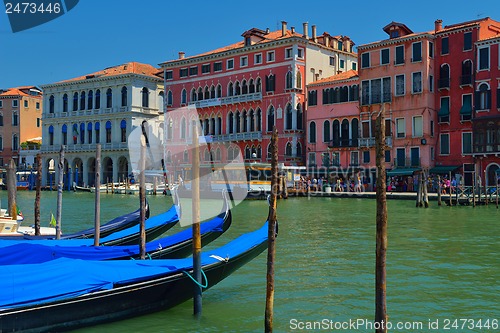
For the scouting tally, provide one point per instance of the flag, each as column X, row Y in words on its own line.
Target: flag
column 19, row 212
column 52, row 220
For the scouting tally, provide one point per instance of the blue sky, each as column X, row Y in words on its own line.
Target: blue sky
column 101, row 33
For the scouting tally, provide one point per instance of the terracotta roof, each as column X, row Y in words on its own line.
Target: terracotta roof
column 127, row 68
column 338, row 77
column 271, row 36
column 18, row 91
column 462, row 25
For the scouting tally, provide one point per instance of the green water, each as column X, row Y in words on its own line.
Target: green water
column 442, row 264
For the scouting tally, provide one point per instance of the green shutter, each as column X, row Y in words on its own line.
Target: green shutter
column 445, row 108
column 467, row 106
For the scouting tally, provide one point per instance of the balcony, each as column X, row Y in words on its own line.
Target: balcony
column 370, row 142
column 237, row 137
column 466, row 80
column 228, row 100
column 343, row 143
column 444, row 83
column 84, row 147
column 101, row 111
column 407, row 162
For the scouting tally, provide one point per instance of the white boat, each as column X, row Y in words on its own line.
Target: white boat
column 10, row 227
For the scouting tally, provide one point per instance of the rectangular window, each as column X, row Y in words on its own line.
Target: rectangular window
column 433, row 157
column 354, row 158
column 484, row 58
column 444, row 45
column 432, row 128
column 444, row 144
column 400, row 128
column 354, row 66
column 243, row 61
column 193, row 71
column 444, row 110
column 270, row 56
column 431, row 83
column 366, row 156
column 217, row 66
column 416, row 52
column 365, row 92
column 300, row 53
column 387, row 156
column 400, row 85
column 384, row 57
column 257, row 58
column 342, row 63
column 288, row 53
column 38, row 121
column 340, row 45
column 467, row 143
column 386, row 89
column 25, row 103
column 418, row 130
column 230, row 64
column 37, row 105
column 365, row 60
column 468, row 41
column 169, row 75
column 400, row 55
column 183, row 72
column 332, row 61
column 431, row 50
column 1, row 104
column 15, row 103
column 466, row 109
column 205, row 68
column 15, row 119
column 376, row 91
column 416, row 82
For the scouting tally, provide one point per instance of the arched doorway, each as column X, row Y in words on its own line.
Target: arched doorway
column 107, row 168
column 51, row 173
column 91, row 171
column 493, row 175
column 78, row 171
column 122, row 169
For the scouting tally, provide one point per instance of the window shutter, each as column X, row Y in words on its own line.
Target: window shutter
column 498, row 98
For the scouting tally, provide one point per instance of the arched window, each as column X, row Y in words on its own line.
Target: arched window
column 123, row 130
column 75, row 134
column 312, row 132
column 212, row 91
column 252, row 121
column 200, row 94
column 238, row 122
column 51, row 135
column 483, row 97
column 219, row 125
column 444, row 76
column 109, row 98
column 169, row 157
column 230, row 89
column 75, row 101
column 270, row 118
column 244, row 87
column 218, row 93
column 170, row 98
column 300, row 117
column 145, row 97
column 258, row 85
column 247, row 152
column 206, row 154
column 298, row 80
column 64, row 131
column 206, row 126
column 289, row 80
column 251, row 86
column 65, row 103
column 289, row 117
column 237, row 88
column 259, row 120
column 124, row 96
column 98, row 99
column 194, row 97
column 183, row 96
column 51, row 104
column 1, row 119
column 90, row 101
column 299, row 149
column 185, row 156
column 269, row 152
column 466, row 77
column 97, row 129
column 89, row 132
column 245, row 121
column 183, row 128
column 82, row 100
column 206, row 93
column 288, row 149
column 108, row 132
column 230, row 123
column 259, row 151
column 326, row 131
column 15, row 142
column 82, row 133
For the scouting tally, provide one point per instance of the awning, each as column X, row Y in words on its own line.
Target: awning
column 444, row 110
column 466, row 109
column 402, row 171
column 444, row 169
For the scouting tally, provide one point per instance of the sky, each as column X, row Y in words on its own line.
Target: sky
column 97, row 34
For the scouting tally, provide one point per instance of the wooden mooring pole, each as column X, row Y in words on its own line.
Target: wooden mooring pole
column 195, row 188
column 271, row 234
column 439, row 190
column 142, row 199
column 381, row 236
column 59, row 192
column 12, row 190
column 38, row 192
column 425, row 195
column 97, row 216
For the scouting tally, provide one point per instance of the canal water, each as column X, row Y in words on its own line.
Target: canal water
column 442, row 266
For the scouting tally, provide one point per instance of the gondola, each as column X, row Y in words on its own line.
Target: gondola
column 174, row 246
column 66, row 294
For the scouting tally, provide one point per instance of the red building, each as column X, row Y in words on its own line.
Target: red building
column 467, row 73
column 243, row 90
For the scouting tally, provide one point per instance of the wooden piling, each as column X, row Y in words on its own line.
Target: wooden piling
column 38, row 192
column 97, row 216
column 425, row 195
column 474, row 190
column 497, row 194
column 381, row 236
column 485, row 188
column 449, row 196
column 271, row 249
column 195, row 190
column 59, row 192
column 439, row 190
column 419, row 190
column 12, row 190
column 142, row 198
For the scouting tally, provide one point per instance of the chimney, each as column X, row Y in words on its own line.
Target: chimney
column 438, row 25
column 327, row 40
column 293, row 30
column 306, row 30
column 283, row 28
column 181, row 55
column 315, row 39
column 267, row 31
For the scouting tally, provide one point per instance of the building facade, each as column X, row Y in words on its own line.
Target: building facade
column 98, row 108
column 20, row 124
column 243, row 90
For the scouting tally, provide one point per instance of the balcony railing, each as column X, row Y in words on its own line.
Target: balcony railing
column 88, row 147
column 444, row 83
column 81, row 113
column 407, row 162
column 370, row 142
column 237, row 137
column 228, row 100
column 340, row 143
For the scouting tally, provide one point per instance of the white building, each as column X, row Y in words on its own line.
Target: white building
column 102, row 107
